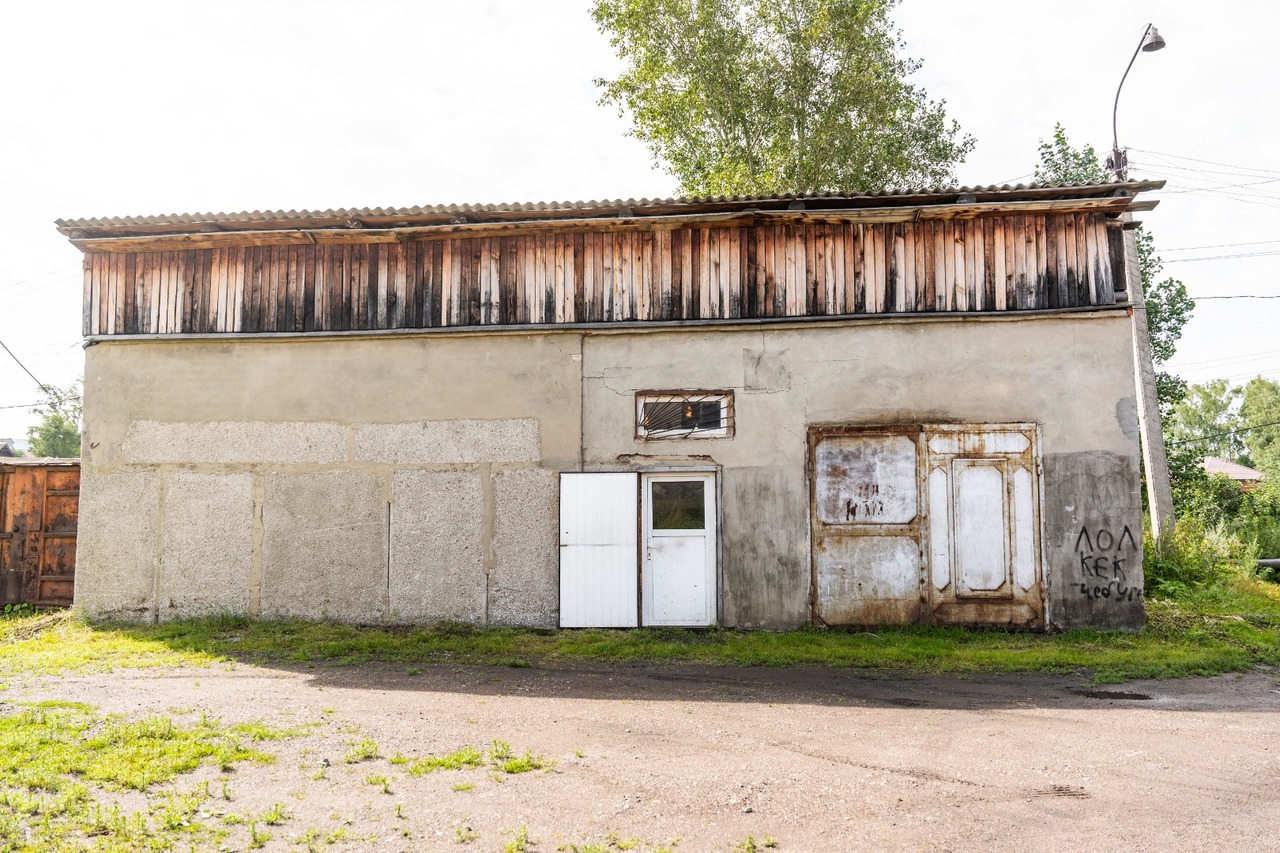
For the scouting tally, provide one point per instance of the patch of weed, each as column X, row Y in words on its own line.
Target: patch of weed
column 275, row 815
column 501, row 757
column 57, row 757
column 463, row 834
column 361, row 750
column 518, row 842
column 468, row 756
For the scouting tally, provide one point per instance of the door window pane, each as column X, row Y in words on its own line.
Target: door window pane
column 678, row 505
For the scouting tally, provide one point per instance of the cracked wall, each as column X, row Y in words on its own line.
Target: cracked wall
column 414, row 478
column 359, row 480
column 1072, row 375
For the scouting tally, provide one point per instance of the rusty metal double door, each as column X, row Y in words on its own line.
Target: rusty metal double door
column 926, row 524
column 39, row 514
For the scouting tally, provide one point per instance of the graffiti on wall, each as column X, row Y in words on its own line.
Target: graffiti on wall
column 1105, row 560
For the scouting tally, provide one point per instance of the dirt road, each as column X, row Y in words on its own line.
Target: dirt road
column 813, row 759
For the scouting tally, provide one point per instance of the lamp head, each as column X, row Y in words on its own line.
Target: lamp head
column 1153, row 40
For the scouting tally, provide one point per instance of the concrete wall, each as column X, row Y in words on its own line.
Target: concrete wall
column 1071, row 374
column 364, row 480
column 410, row 479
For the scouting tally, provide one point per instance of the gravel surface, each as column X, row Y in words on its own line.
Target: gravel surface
column 814, row 759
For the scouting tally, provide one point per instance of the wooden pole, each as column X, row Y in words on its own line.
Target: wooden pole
column 1159, row 494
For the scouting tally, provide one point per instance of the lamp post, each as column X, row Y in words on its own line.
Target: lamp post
column 1159, row 494
column 1119, row 162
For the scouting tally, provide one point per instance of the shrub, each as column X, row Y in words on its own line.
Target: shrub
column 1192, row 556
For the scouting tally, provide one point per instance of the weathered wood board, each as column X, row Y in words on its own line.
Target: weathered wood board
column 805, row 269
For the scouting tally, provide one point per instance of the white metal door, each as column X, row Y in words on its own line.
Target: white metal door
column 598, row 550
column 679, row 526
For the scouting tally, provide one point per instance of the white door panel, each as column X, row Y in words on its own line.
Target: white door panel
column 598, row 550
column 679, row 528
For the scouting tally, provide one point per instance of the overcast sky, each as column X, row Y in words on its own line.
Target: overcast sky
column 138, row 108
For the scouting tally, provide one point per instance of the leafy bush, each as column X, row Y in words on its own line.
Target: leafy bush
column 1216, row 503
column 1194, row 557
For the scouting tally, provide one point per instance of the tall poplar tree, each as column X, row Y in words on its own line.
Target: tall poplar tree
column 761, row 97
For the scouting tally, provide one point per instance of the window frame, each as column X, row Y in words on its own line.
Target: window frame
column 723, row 397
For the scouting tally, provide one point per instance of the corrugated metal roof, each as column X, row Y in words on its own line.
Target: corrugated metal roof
column 356, row 217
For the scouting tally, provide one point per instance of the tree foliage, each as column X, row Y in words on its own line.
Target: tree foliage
column 1260, row 413
column 761, row 97
column 1209, row 417
column 58, row 433
column 1060, row 163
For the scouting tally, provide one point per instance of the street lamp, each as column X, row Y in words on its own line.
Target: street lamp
column 1159, row 495
column 1118, row 162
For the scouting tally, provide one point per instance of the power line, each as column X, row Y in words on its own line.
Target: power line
column 37, row 277
column 1238, row 296
column 1230, row 359
column 1219, row 246
column 1210, row 162
column 1223, row 434
column 42, row 385
column 1221, row 257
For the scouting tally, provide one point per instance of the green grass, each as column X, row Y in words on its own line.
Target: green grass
column 1224, row 628
column 499, row 756
column 58, row 758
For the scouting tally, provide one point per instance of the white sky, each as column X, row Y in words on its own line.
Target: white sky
column 139, row 108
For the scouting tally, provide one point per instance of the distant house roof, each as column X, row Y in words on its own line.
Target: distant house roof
column 1240, row 473
column 7, row 448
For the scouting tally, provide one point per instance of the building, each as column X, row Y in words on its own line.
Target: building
column 760, row 412
column 1247, row 477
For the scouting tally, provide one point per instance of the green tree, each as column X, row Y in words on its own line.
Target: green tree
column 1060, row 163
column 1260, row 411
column 1168, row 306
column 760, row 97
column 58, row 433
column 1208, row 417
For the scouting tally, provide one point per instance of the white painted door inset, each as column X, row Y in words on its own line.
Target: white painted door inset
column 598, row 550
column 679, row 549
column 982, row 560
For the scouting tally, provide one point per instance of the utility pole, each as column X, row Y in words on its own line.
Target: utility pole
column 1159, row 493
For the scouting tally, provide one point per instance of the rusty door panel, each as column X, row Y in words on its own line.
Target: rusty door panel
column 865, row 515
column 984, row 529
column 39, row 513
column 868, row 580
column 926, row 523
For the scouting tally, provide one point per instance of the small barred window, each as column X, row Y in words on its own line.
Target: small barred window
column 684, row 414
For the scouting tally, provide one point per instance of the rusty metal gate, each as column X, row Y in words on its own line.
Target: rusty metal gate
column 39, row 508
column 926, row 523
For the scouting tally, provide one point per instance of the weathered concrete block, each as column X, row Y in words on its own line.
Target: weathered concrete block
column 525, row 587
column 765, row 522
column 1093, row 541
column 208, row 544
column 437, row 547
column 116, row 545
column 449, row 442
column 324, row 551
column 232, row 442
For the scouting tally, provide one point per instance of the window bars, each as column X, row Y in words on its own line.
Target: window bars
column 684, row 414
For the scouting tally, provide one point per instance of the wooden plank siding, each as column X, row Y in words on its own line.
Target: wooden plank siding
column 1021, row 262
